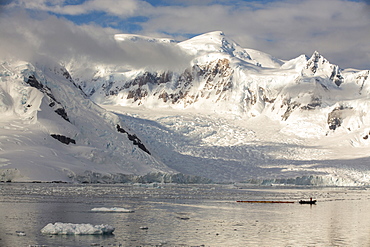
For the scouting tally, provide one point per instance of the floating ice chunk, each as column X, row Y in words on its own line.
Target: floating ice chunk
column 76, row 229
column 112, row 210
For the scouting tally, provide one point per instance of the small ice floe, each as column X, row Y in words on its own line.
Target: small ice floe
column 112, row 210
column 76, row 229
column 20, row 233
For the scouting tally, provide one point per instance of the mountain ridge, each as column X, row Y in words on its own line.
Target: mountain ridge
column 233, row 114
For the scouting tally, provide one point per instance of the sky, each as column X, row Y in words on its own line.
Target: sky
column 338, row 29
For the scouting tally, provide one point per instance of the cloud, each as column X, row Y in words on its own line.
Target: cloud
column 195, row 2
column 366, row 1
column 339, row 29
column 122, row 8
column 25, row 37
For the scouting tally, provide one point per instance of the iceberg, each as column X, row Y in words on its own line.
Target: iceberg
column 112, row 210
column 59, row 228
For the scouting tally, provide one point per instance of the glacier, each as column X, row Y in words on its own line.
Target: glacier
column 233, row 114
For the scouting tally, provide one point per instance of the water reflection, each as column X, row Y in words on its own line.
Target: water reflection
column 173, row 215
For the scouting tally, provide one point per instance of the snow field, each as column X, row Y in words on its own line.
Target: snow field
column 235, row 149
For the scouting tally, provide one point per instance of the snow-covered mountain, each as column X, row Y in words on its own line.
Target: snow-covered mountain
column 50, row 131
column 233, row 114
column 227, row 79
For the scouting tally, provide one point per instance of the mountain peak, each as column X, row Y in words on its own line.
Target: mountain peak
column 214, row 42
column 317, row 57
column 211, row 41
column 317, row 63
column 215, row 36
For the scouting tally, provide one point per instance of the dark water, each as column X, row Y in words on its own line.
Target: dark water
column 186, row 215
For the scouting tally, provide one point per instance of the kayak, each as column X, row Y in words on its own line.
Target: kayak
column 307, row 202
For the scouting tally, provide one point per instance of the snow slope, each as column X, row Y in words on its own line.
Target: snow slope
column 238, row 114
column 50, row 131
column 232, row 114
column 256, row 150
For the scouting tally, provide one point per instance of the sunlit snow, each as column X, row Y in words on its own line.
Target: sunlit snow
column 232, row 115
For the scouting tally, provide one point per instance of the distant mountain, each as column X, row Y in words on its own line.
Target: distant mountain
column 233, row 114
column 227, row 78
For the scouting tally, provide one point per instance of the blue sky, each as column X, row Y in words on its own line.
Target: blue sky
column 338, row 29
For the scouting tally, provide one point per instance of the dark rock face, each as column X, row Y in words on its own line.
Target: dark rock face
column 291, row 106
column 35, row 83
column 315, row 103
column 366, row 136
column 361, row 80
column 336, row 76
column 64, row 72
column 137, row 94
column 218, row 69
column 63, row 139
column 138, row 85
column 57, row 106
column 61, row 112
column 317, row 61
column 335, row 118
column 135, row 140
column 172, row 87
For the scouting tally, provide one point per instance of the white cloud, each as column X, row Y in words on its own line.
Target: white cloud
column 122, row 8
column 25, row 38
column 339, row 29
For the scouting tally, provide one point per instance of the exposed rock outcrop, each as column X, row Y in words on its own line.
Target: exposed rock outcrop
column 57, row 106
column 132, row 137
column 63, row 139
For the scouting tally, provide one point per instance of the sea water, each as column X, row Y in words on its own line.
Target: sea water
column 185, row 215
